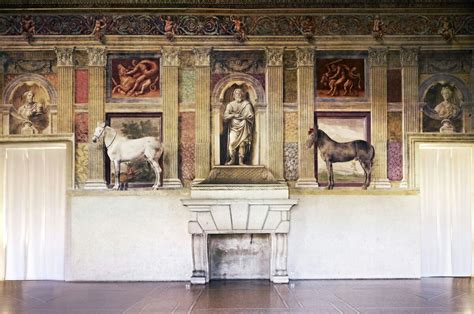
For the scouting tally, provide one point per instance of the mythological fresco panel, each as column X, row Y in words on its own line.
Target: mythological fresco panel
column 340, row 77
column 133, row 78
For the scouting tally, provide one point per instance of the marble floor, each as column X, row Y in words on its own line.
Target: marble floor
column 429, row 295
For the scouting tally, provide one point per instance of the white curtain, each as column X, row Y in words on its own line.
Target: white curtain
column 35, row 192
column 446, row 189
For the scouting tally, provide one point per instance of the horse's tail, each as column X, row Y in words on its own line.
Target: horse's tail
column 372, row 152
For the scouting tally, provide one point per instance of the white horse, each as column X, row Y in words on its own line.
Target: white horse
column 119, row 149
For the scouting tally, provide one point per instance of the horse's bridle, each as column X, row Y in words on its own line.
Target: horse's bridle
column 115, row 135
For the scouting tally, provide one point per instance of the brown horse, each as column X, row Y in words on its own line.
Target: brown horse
column 332, row 151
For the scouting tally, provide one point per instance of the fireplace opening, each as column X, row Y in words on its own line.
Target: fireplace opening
column 239, row 256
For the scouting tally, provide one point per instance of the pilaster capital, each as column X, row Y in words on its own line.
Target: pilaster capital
column 170, row 56
column 97, row 57
column 274, row 56
column 409, row 56
column 65, row 56
column 304, row 57
column 202, row 57
column 378, row 57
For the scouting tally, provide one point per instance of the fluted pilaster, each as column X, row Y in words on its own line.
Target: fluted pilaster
column 4, row 119
column 378, row 89
column 411, row 112
column 65, row 67
column 169, row 88
column 274, row 79
column 305, row 76
column 203, row 113
column 97, row 62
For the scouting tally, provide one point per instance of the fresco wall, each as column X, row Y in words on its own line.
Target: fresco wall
column 152, row 69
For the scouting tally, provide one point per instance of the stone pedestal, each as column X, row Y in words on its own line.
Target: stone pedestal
column 239, row 208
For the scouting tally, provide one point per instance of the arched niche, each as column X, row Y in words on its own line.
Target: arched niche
column 430, row 96
column 221, row 96
column 44, row 94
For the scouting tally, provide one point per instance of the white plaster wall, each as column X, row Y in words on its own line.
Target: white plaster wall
column 115, row 235
column 127, row 235
column 354, row 236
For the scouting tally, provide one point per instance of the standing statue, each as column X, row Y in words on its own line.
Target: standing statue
column 240, row 118
column 447, row 110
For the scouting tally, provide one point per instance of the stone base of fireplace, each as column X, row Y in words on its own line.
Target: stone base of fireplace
column 239, row 209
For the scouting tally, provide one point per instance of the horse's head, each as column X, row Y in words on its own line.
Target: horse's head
column 311, row 138
column 99, row 131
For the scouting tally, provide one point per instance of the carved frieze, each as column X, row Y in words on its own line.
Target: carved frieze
column 202, row 56
column 262, row 25
column 244, row 62
column 274, row 56
column 304, row 57
column 24, row 66
column 409, row 57
column 459, row 62
column 97, row 56
column 378, row 57
column 65, row 57
column 170, row 56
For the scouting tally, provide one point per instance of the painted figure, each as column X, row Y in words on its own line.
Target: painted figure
column 136, row 80
column 240, row 118
column 377, row 31
column 446, row 30
column 29, row 114
column 239, row 29
column 340, row 76
column 447, row 110
column 98, row 31
column 28, row 28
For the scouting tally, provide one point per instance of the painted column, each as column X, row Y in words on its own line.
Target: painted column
column 411, row 112
column 378, row 89
column 4, row 115
column 97, row 62
column 169, row 88
column 305, row 75
column 468, row 108
column 274, row 79
column 65, row 66
column 203, row 113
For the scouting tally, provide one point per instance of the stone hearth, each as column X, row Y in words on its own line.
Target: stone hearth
column 239, row 209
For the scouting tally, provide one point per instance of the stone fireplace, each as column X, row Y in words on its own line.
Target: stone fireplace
column 241, row 209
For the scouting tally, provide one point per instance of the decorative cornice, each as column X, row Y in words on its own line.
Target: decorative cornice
column 236, row 4
column 65, row 57
column 202, row 57
column 291, row 24
column 97, row 56
column 274, row 56
column 409, row 57
column 170, row 56
column 305, row 57
column 378, row 57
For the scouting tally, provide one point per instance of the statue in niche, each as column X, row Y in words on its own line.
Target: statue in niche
column 447, row 110
column 239, row 116
column 443, row 105
column 31, row 116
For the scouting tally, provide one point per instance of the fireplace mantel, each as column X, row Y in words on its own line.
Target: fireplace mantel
column 219, row 209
